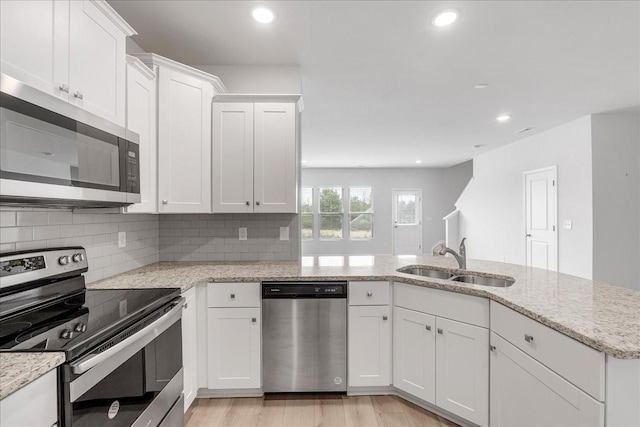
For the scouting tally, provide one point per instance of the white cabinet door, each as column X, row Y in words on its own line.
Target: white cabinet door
column 141, row 119
column 232, row 157
column 369, row 346
column 275, row 158
column 190, row 347
column 34, row 43
column 36, row 404
column 462, row 370
column 184, row 143
column 526, row 393
column 234, row 348
column 96, row 62
column 414, row 353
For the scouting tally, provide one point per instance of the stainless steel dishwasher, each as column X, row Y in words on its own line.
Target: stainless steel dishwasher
column 304, row 333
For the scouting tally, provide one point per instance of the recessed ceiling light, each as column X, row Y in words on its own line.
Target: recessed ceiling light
column 418, row 161
column 503, row 118
column 481, row 86
column 304, row 161
column 445, row 18
column 263, row 15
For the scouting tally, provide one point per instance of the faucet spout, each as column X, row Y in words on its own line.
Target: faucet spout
column 460, row 257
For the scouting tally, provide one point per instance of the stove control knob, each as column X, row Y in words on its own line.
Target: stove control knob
column 80, row 327
column 77, row 257
column 67, row 334
column 63, row 260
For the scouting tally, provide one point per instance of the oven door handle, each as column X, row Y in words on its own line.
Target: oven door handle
column 134, row 343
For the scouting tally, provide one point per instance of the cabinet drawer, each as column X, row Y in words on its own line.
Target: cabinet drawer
column 238, row 294
column 463, row 308
column 368, row 293
column 574, row 361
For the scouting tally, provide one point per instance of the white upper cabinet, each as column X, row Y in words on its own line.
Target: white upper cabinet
column 184, row 135
column 255, row 149
column 141, row 119
column 71, row 49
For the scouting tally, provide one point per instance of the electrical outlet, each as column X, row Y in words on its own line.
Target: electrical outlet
column 122, row 239
column 242, row 233
column 284, row 233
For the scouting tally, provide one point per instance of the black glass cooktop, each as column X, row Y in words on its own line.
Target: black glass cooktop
column 79, row 322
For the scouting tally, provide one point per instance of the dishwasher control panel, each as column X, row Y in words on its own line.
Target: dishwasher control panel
column 304, row 289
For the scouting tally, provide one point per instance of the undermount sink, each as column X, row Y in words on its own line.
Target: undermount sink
column 427, row 272
column 470, row 278
column 483, row 280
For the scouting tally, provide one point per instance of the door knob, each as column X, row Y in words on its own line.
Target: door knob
column 440, row 331
column 78, row 95
column 428, row 327
column 528, row 235
column 257, row 203
column 369, row 294
column 248, row 203
column 63, row 88
column 165, row 202
column 385, row 317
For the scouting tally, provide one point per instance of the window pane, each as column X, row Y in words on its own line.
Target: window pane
column 331, row 199
column 307, row 226
column 406, row 209
column 361, row 226
column 306, row 201
column 331, row 227
column 360, row 199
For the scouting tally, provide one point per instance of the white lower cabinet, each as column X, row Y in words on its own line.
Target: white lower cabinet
column 369, row 346
column 462, row 370
column 234, row 348
column 414, row 353
column 526, row 393
column 189, row 347
column 36, row 404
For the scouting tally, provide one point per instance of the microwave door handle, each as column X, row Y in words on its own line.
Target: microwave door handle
column 96, row 367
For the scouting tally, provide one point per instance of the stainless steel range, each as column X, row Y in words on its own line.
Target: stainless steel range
column 123, row 347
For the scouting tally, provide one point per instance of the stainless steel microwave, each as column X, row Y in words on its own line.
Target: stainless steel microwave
column 53, row 153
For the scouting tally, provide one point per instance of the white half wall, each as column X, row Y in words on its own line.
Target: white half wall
column 492, row 210
column 616, row 198
column 257, row 78
column 440, row 189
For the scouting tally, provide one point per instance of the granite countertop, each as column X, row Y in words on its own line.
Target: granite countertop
column 602, row 316
column 19, row 369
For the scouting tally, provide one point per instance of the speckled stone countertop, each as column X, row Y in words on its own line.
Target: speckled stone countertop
column 19, row 369
column 599, row 315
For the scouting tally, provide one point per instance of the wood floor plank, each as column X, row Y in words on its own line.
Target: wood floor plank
column 354, row 411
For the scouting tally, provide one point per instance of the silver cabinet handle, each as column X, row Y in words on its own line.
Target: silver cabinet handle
column 63, row 88
column 385, row 317
column 248, row 203
column 165, row 202
column 185, row 305
column 232, row 296
column 440, row 331
column 369, row 294
column 78, row 95
column 254, row 320
column 257, row 203
column 428, row 327
column 528, row 235
column 492, row 348
column 528, row 338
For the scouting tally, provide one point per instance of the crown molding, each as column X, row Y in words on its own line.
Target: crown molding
column 140, row 66
column 294, row 98
column 151, row 59
column 114, row 17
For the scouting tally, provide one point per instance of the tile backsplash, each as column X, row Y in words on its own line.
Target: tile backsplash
column 214, row 237
column 24, row 229
column 150, row 238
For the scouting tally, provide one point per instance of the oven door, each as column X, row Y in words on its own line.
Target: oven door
column 136, row 382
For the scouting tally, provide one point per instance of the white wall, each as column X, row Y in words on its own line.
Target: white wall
column 257, row 78
column 492, row 211
column 440, row 189
column 616, row 198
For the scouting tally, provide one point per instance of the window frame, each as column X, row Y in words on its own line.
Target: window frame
column 348, row 212
column 336, row 214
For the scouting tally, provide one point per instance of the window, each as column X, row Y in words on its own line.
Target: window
column 360, row 213
column 306, row 208
column 330, row 213
column 406, row 209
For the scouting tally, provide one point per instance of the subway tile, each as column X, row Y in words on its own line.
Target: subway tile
column 60, row 218
column 82, row 218
column 56, row 243
column 8, row 219
column 7, row 247
column 15, row 234
column 29, row 219
column 73, row 230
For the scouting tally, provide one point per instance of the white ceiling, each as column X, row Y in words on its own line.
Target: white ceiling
column 382, row 87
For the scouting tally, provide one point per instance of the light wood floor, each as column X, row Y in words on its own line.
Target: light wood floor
column 361, row 411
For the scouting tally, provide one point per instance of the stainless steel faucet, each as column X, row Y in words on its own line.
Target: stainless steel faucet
column 461, row 258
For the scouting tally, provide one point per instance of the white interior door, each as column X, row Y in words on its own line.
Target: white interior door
column 541, row 218
column 407, row 222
